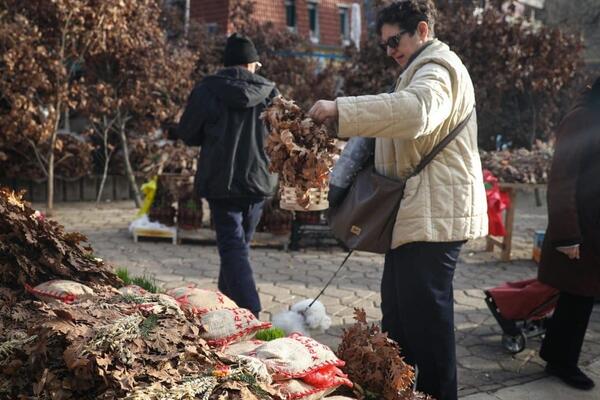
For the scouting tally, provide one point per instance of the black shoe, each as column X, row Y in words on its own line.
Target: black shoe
column 572, row 376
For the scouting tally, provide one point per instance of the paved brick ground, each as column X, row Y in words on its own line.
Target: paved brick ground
column 286, row 277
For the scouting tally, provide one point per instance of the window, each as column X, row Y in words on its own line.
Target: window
column 345, row 25
column 313, row 22
column 290, row 14
column 212, row 28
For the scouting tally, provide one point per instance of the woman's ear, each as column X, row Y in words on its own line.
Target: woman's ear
column 423, row 30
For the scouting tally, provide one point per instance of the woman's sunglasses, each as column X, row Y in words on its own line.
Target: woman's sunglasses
column 392, row 42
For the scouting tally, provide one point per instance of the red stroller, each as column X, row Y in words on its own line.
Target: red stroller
column 521, row 309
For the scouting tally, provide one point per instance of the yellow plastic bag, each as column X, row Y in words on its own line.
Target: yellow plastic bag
column 149, row 190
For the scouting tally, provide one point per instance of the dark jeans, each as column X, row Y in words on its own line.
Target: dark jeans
column 566, row 330
column 235, row 222
column 417, row 302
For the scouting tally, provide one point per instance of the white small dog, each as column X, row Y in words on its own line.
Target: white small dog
column 302, row 318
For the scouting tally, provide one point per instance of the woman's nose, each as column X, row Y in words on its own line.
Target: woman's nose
column 390, row 51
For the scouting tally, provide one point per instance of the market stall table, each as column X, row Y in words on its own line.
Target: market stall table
column 505, row 243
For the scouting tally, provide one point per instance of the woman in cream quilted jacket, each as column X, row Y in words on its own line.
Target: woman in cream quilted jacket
column 443, row 206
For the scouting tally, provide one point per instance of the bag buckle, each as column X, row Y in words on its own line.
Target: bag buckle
column 355, row 230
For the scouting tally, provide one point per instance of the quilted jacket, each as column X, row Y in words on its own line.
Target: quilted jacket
column 446, row 201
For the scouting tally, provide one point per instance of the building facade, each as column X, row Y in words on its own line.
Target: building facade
column 328, row 24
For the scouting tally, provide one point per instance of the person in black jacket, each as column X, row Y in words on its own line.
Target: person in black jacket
column 222, row 116
column 570, row 260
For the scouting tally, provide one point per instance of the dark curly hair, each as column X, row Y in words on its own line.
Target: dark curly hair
column 407, row 14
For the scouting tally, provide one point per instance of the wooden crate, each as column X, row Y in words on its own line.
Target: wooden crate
column 168, row 233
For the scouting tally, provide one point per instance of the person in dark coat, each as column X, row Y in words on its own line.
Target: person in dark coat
column 570, row 258
column 223, row 117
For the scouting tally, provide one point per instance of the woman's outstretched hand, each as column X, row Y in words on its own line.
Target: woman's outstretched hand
column 323, row 110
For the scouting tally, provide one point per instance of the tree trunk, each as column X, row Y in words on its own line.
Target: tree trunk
column 50, row 199
column 50, row 194
column 136, row 191
column 107, row 157
column 186, row 19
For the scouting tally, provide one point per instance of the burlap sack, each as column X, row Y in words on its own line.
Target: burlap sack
column 201, row 300
column 295, row 356
column 242, row 348
column 293, row 389
column 61, row 290
column 226, row 326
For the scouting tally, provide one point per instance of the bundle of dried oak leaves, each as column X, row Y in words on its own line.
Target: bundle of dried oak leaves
column 374, row 363
column 300, row 150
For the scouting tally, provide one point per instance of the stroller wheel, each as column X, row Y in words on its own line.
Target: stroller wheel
column 514, row 344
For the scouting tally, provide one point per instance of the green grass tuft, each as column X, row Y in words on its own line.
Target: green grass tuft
column 123, row 274
column 270, row 334
column 145, row 282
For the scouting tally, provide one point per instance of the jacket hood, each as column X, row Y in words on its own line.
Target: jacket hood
column 238, row 87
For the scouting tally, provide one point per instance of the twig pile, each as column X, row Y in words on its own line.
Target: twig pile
column 520, row 165
column 109, row 346
column 299, row 149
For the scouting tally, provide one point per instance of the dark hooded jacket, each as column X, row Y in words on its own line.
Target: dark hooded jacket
column 222, row 116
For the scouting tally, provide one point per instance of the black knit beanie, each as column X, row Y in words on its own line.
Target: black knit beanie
column 239, row 50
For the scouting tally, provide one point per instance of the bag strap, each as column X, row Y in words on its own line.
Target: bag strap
column 440, row 146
